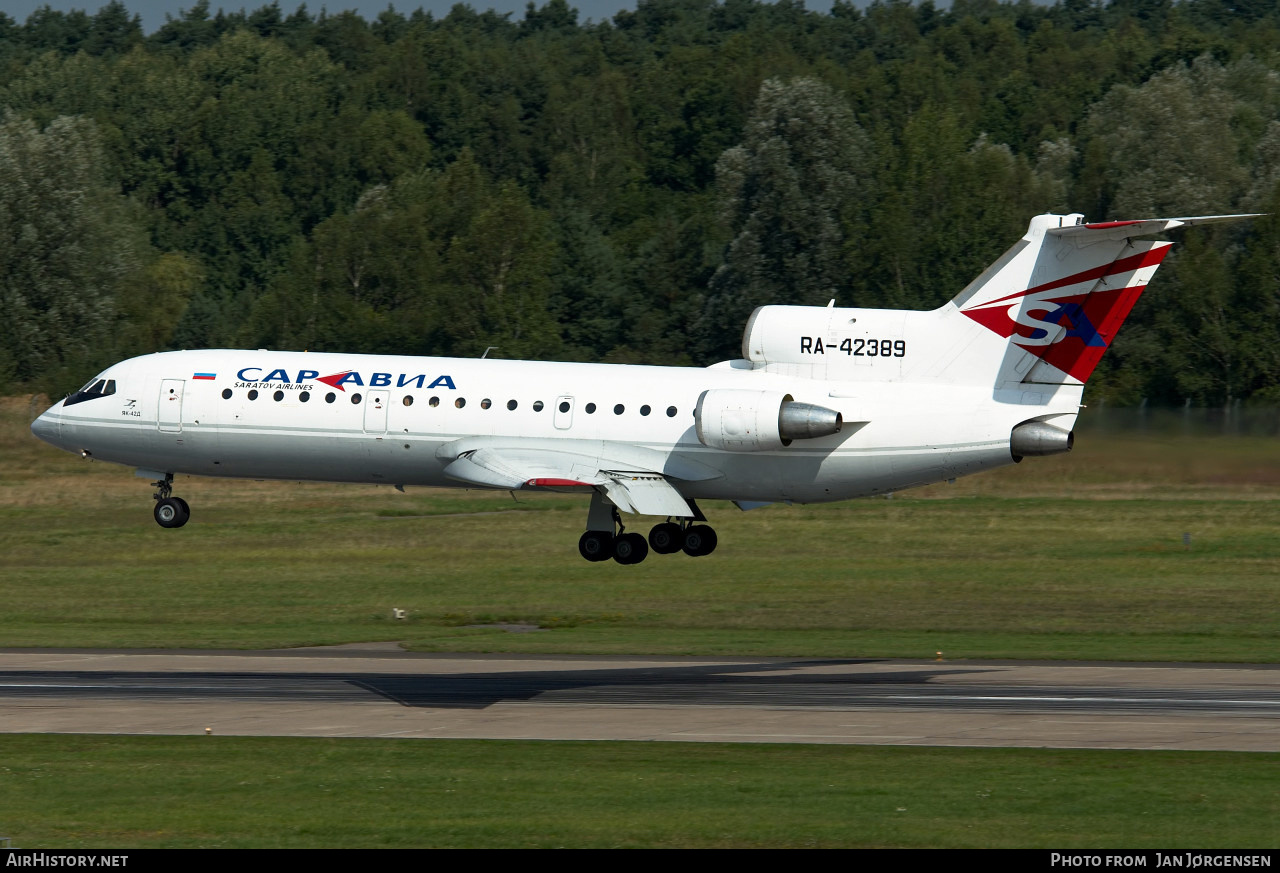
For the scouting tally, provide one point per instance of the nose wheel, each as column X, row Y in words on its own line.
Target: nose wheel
column 170, row 511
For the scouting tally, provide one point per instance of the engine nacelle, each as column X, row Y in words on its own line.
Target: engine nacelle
column 1033, row 439
column 773, row 333
column 738, row 420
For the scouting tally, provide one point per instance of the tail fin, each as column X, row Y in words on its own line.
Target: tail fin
column 1061, row 293
column 1043, row 314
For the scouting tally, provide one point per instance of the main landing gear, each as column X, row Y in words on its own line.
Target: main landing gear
column 666, row 538
column 170, row 511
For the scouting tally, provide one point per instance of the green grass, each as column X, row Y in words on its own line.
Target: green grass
column 141, row 792
column 975, row 577
column 1079, row 557
column 1070, row 557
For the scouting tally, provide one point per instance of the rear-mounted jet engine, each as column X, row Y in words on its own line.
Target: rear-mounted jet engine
column 738, row 420
column 1033, row 439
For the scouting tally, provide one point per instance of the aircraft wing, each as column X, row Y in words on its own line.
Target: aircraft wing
column 646, row 492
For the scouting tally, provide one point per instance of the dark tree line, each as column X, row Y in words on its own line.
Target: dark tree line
column 623, row 191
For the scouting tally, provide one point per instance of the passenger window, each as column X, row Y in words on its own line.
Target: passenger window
column 434, row 401
column 537, row 406
column 486, row 403
column 278, row 396
column 671, row 412
column 304, row 396
column 564, row 406
column 408, row 400
column 590, row 408
column 355, row 398
column 226, row 393
column 619, row 409
column 253, row 394
column 460, row 402
column 330, row 397
column 644, row 410
column 511, row 404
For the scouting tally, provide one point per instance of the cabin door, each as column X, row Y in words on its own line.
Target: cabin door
column 169, row 414
column 375, row 412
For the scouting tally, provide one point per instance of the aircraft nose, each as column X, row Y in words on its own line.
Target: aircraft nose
column 47, row 428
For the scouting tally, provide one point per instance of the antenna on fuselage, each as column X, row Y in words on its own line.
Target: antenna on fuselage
column 486, row 352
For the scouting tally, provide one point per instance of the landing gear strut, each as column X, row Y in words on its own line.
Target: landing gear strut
column 170, row 511
column 607, row 538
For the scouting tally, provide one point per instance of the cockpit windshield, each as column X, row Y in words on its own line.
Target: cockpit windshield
column 92, row 391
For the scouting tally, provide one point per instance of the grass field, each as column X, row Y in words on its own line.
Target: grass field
column 1130, row 548
column 140, row 792
column 1134, row 547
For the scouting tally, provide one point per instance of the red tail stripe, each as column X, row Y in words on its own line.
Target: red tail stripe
column 1123, row 265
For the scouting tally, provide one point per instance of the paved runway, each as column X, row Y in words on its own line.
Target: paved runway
column 377, row 690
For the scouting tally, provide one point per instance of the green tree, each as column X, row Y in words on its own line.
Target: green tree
column 590, row 288
column 785, row 195
column 498, row 271
column 1182, row 143
column 590, row 132
column 192, row 29
column 113, row 31
column 152, row 302
column 366, row 280
column 68, row 239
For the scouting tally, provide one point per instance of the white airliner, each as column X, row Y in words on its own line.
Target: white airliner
column 825, row 404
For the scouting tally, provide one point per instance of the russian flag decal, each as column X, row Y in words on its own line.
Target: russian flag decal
column 205, row 376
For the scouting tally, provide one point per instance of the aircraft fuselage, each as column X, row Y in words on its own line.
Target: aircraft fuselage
column 269, row 415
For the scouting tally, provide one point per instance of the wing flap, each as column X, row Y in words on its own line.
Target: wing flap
column 511, row 469
column 645, row 494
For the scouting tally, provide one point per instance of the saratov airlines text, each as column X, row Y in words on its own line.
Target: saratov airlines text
column 337, row 380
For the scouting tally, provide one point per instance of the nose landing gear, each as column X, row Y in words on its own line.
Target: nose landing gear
column 170, row 511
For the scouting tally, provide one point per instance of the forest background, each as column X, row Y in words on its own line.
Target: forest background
column 623, row 191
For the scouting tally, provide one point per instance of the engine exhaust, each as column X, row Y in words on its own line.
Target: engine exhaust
column 1033, row 439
